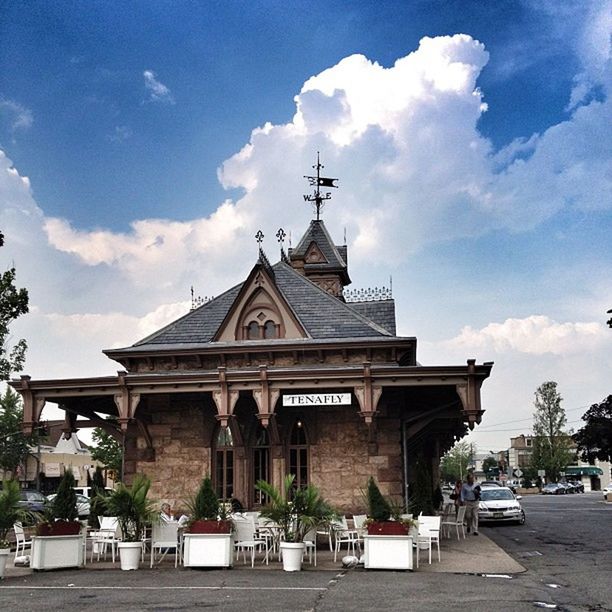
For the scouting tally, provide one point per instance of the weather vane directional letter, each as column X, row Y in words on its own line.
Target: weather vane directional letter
column 317, row 198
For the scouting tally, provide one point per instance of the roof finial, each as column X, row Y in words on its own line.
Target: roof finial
column 280, row 235
column 317, row 182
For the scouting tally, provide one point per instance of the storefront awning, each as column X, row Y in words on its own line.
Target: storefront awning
column 583, row 470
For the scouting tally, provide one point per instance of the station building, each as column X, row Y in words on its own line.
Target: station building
column 286, row 372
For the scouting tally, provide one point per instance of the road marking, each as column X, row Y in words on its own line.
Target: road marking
column 497, row 576
column 159, row 588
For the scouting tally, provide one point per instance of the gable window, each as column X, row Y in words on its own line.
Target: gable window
column 298, row 454
column 270, row 330
column 224, row 463
column 253, row 331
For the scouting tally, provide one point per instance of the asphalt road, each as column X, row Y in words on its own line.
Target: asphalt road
column 564, row 545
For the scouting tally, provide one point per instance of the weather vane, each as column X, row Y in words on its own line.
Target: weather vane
column 317, row 182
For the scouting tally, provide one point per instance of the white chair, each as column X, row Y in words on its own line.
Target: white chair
column 344, row 535
column 310, row 541
column 20, row 539
column 164, row 536
column 107, row 536
column 428, row 534
column 455, row 521
column 245, row 538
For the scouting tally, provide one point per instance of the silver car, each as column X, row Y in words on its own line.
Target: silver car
column 500, row 504
column 82, row 504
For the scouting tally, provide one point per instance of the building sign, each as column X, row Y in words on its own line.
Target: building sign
column 52, row 469
column 318, row 399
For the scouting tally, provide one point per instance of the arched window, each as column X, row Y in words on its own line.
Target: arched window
column 270, row 330
column 298, row 454
column 261, row 461
column 224, row 463
column 253, row 331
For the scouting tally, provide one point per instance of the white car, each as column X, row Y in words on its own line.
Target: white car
column 82, row 504
column 500, row 504
column 607, row 489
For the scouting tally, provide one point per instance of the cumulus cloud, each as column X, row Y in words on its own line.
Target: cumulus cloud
column 120, row 133
column 158, row 92
column 534, row 335
column 15, row 116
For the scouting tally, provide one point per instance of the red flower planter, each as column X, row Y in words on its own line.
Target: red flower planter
column 210, row 527
column 387, row 528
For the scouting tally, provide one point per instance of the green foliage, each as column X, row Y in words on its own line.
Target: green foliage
column 64, row 504
column 489, row 464
column 379, row 508
column 455, row 462
column 107, row 450
column 594, row 439
column 14, row 444
column 205, row 504
column 295, row 511
column 97, row 502
column 13, row 304
column 10, row 509
column 422, row 490
column 134, row 511
column 551, row 444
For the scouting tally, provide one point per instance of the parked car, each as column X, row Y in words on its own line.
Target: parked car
column 607, row 489
column 553, row 488
column 31, row 500
column 495, row 483
column 568, row 486
column 83, row 506
column 578, row 486
column 88, row 491
column 500, row 504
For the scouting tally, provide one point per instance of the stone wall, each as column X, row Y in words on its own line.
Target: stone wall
column 341, row 456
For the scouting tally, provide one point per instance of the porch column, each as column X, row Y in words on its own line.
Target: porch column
column 225, row 400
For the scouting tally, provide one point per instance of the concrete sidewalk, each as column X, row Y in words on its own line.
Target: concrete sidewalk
column 472, row 555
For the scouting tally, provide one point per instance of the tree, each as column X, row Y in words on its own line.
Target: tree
column 13, row 303
column 551, row 444
column 107, row 450
column 594, row 439
column 454, row 464
column 489, row 464
column 14, row 445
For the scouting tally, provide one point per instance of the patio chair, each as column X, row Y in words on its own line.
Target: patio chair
column 428, row 534
column 107, row 536
column 310, row 541
column 344, row 535
column 20, row 539
column 245, row 538
column 455, row 521
column 164, row 537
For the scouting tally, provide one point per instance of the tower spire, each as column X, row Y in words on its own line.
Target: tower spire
column 317, row 198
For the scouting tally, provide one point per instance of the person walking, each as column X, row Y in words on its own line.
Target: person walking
column 470, row 496
column 456, row 496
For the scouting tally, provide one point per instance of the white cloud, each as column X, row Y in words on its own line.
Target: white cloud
column 158, row 92
column 16, row 116
column 534, row 335
column 120, row 133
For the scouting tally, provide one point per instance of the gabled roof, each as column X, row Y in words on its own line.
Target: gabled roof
column 321, row 315
column 336, row 256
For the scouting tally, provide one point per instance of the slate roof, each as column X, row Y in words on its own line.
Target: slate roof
column 336, row 256
column 381, row 312
column 323, row 316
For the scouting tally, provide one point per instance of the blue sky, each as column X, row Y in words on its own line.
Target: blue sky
column 472, row 140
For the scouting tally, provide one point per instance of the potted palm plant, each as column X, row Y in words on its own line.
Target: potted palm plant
column 295, row 511
column 58, row 542
column 10, row 513
column 134, row 511
column 208, row 536
column 387, row 544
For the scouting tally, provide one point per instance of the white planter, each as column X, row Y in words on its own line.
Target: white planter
column 208, row 550
column 388, row 552
column 129, row 555
column 292, row 553
column 55, row 552
column 4, row 555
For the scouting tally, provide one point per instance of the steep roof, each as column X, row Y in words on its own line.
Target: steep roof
column 335, row 256
column 321, row 315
